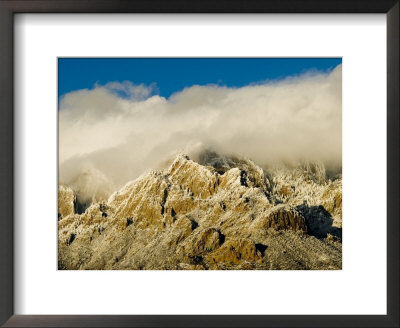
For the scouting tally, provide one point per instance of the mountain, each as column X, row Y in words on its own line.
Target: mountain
column 219, row 212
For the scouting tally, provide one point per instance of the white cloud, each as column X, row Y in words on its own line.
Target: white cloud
column 121, row 130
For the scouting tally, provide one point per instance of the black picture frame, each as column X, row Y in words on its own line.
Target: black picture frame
column 10, row 7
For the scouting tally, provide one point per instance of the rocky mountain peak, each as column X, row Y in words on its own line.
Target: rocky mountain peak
column 219, row 212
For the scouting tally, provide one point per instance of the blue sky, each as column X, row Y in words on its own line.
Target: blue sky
column 174, row 74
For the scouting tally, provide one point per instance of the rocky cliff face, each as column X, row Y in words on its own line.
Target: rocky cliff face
column 217, row 213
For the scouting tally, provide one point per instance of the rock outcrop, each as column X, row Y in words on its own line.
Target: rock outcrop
column 66, row 201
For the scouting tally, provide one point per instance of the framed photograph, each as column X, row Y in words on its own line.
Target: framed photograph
column 187, row 166
column 202, row 164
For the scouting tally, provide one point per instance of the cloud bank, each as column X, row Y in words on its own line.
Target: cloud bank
column 113, row 133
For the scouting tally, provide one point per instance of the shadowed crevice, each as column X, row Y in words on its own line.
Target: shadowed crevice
column 319, row 221
column 80, row 206
column 262, row 248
